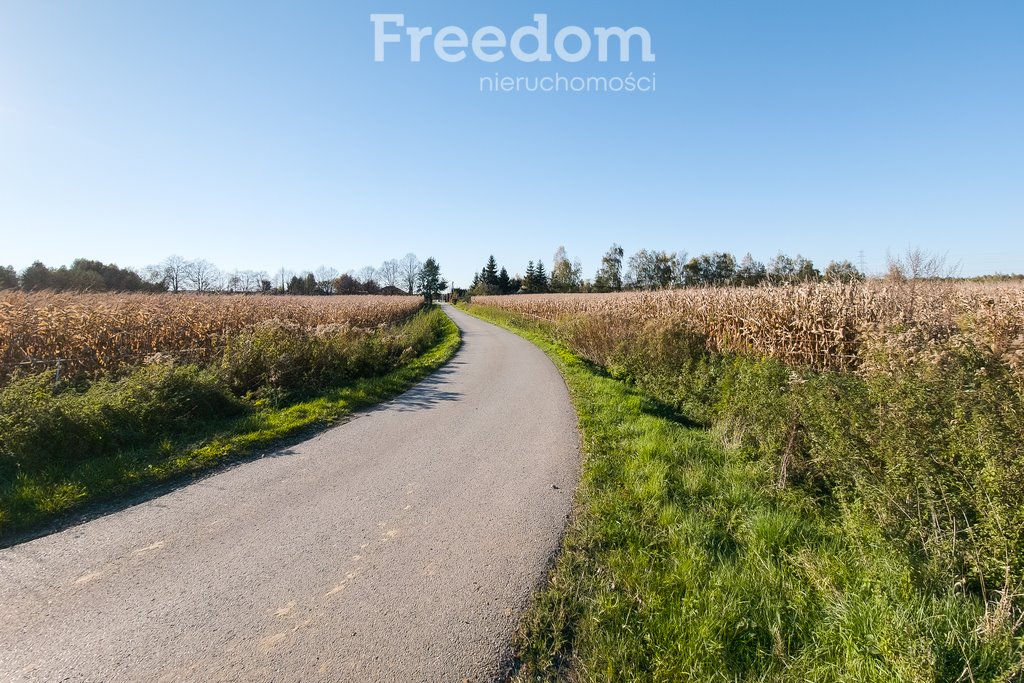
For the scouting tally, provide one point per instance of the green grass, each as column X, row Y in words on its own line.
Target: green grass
column 33, row 497
column 684, row 561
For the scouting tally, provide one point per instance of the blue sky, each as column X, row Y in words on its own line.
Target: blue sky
column 261, row 135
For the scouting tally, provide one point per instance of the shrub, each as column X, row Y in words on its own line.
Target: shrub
column 41, row 428
column 279, row 359
column 904, row 401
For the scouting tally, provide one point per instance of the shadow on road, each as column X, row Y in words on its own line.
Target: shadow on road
column 428, row 394
column 151, row 494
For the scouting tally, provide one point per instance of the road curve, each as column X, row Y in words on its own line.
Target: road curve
column 400, row 546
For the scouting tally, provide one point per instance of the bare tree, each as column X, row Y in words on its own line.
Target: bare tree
column 251, row 280
column 325, row 276
column 203, row 276
column 281, row 279
column 263, row 283
column 368, row 280
column 234, row 282
column 914, row 266
column 390, row 273
column 918, row 264
column 367, row 273
column 246, row 281
column 155, row 275
column 170, row 273
column 409, row 269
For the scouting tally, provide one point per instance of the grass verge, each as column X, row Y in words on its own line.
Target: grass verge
column 32, row 498
column 684, row 561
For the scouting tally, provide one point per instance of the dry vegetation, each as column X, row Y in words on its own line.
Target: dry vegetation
column 158, row 386
column 95, row 333
column 823, row 326
column 819, row 482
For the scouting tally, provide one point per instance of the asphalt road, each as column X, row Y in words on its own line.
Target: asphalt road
column 400, row 546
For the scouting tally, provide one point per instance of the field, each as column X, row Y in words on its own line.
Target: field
column 800, row 483
column 796, row 483
column 95, row 333
column 824, row 326
column 104, row 394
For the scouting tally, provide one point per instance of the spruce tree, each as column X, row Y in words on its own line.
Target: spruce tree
column 490, row 273
column 540, row 278
column 504, row 282
column 430, row 281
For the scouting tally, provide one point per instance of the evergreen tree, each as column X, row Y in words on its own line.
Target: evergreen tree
column 346, row 284
column 8, row 278
column 430, row 281
column 529, row 286
column 36, row 277
column 540, row 278
column 504, row 282
column 490, row 273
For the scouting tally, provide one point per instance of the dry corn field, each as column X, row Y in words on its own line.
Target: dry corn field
column 93, row 333
column 824, row 326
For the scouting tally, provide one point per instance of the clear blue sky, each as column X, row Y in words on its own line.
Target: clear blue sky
column 263, row 134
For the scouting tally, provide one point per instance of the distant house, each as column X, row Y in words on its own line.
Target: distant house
column 391, row 290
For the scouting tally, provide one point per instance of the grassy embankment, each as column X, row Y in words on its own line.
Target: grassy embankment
column 686, row 559
column 100, row 440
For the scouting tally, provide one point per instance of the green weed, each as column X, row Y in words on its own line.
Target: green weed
column 686, row 560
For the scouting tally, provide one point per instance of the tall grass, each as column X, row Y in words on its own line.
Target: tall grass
column 747, row 516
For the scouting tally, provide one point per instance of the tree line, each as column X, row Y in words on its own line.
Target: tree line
column 653, row 269
column 177, row 274
column 82, row 275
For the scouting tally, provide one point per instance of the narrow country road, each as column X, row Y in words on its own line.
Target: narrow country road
column 400, row 546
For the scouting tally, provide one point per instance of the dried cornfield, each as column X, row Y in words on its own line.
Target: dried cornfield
column 824, row 326
column 95, row 333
